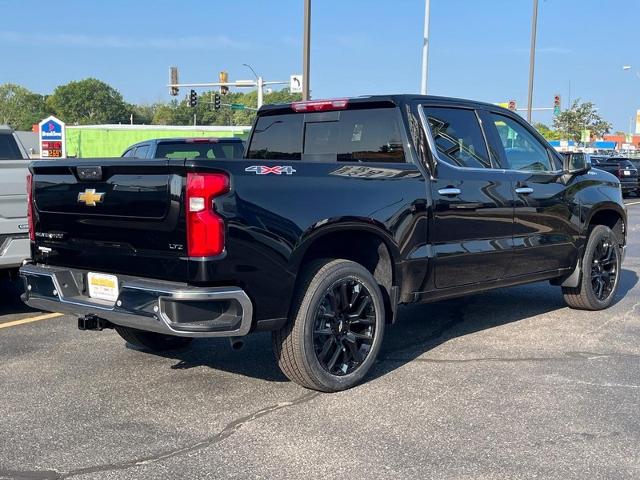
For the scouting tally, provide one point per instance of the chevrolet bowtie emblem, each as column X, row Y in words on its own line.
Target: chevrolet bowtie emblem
column 89, row 197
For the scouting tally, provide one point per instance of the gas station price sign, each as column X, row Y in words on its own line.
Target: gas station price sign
column 51, row 132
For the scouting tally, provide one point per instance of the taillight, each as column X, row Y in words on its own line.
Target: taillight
column 32, row 231
column 205, row 228
column 320, row 105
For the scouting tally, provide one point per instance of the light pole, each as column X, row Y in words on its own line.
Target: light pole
column 425, row 48
column 628, row 68
column 306, row 53
column 260, row 84
column 532, row 57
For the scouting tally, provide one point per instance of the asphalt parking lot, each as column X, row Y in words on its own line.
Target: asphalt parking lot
column 506, row 384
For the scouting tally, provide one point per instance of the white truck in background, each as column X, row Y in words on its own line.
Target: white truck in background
column 14, row 228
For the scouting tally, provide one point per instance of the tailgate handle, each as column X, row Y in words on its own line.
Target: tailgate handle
column 90, row 173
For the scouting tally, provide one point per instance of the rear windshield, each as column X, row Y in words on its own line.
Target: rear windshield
column 8, row 148
column 623, row 162
column 199, row 150
column 367, row 135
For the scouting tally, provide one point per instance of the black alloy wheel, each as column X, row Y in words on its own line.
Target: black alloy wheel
column 604, row 268
column 344, row 328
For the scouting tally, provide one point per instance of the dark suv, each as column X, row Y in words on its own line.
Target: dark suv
column 625, row 170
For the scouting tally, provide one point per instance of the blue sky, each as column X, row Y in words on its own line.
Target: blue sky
column 479, row 49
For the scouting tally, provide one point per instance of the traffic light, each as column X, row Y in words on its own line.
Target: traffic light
column 173, row 79
column 216, row 101
column 223, row 78
column 193, row 98
column 512, row 105
column 556, row 105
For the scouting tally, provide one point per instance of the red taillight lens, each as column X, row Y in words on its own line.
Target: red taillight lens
column 320, row 105
column 32, row 232
column 205, row 229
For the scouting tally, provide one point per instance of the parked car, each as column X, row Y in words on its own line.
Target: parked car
column 339, row 211
column 625, row 171
column 187, row 148
column 14, row 233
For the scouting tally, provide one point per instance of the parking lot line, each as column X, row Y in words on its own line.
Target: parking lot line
column 30, row 320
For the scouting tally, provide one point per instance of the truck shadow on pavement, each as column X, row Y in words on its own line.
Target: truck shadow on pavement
column 10, row 302
column 419, row 329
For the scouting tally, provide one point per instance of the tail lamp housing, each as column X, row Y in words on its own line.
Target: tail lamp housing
column 32, row 231
column 205, row 228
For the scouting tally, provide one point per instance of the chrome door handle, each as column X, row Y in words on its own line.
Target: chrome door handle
column 524, row 190
column 449, row 191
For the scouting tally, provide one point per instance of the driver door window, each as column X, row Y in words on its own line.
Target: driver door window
column 522, row 151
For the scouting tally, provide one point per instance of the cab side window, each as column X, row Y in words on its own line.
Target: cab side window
column 458, row 137
column 141, row 152
column 522, row 151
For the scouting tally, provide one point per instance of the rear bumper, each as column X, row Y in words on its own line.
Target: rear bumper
column 146, row 304
column 14, row 249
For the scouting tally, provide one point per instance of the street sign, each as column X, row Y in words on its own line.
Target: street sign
column 585, row 136
column 295, row 85
column 237, row 106
column 51, row 136
column 512, row 105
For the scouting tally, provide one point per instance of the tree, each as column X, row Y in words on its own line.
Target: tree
column 21, row 108
column 173, row 113
column 206, row 115
column 581, row 116
column 89, row 101
column 546, row 132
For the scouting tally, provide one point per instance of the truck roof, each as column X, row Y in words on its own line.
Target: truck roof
column 187, row 140
column 386, row 100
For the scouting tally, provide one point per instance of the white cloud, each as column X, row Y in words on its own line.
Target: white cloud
column 114, row 41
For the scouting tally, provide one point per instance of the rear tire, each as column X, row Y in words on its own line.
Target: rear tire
column 335, row 327
column 156, row 342
column 600, row 272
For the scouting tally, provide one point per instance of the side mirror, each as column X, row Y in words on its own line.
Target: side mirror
column 575, row 163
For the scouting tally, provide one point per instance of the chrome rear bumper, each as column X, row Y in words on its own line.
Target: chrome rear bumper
column 146, row 304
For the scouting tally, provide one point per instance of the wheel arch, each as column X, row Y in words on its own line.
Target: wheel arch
column 369, row 244
column 611, row 215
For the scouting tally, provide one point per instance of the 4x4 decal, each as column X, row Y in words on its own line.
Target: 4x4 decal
column 266, row 170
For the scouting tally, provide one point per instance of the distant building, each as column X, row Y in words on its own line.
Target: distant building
column 621, row 141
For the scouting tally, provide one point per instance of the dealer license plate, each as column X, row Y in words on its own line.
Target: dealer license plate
column 103, row 286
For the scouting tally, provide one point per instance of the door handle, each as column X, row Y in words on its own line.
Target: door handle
column 524, row 190
column 449, row 191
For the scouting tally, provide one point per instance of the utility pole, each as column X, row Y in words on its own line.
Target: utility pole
column 425, row 48
column 532, row 57
column 306, row 50
column 260, row 91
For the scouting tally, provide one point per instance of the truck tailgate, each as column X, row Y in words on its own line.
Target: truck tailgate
column 108, row 215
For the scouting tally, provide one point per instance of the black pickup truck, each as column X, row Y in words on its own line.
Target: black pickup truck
column 338, row 211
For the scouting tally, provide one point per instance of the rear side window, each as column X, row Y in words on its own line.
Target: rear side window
column 8, row 148
column 458, row 137
column 277, row 137
column 366, row 135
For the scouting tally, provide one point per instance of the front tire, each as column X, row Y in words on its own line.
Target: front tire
column 156, row 342
column 600, row 272
column 335, row 327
